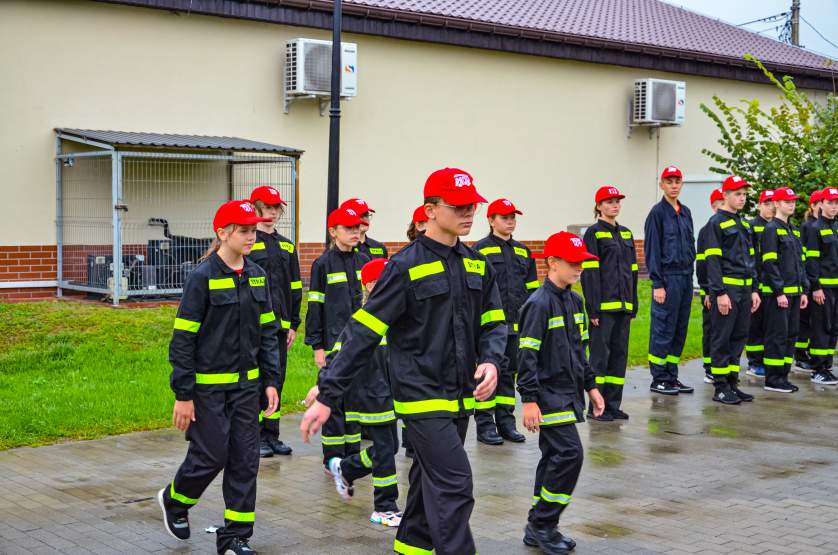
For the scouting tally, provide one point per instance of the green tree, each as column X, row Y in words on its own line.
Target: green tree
column 794, row 144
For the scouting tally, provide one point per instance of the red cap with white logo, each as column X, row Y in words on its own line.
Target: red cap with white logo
column 816, row 196
column 346, row 217
column 829, row 193
column 767, row 196
column 566, row 246
column 785, row 193
column 734, row 183
column 372, row 270
column 607, row 192
column 419, row 215
column 267, row 194
column 502, row 207
column 360, row 206
column 716, row 195
column 454, row 186
column 671, row 171
column 239, row 212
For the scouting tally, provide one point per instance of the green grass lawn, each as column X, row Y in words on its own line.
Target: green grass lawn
column 77, row 371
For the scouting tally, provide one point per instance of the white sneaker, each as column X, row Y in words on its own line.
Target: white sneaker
column 824, row 378
column 708, row 378
column 389, row 518
column 341, row 485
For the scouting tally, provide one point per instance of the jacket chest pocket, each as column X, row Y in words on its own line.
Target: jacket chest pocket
column 221, row 297
column 430, row 287
column 730, row 236
column 259, row 293
column 474, row 284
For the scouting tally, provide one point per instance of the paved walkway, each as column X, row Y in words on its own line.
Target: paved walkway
column 684, row 475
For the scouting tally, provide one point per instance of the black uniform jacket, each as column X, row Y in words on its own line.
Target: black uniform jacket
column 278, row 257
column 610, row 283
column 783, row 271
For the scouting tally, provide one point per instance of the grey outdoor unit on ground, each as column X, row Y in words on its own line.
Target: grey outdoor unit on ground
column 139, row 206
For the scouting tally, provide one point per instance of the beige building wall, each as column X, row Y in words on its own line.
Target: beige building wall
column 541, row 131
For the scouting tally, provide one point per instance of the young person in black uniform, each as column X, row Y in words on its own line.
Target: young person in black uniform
column 716, row 199
column 755, row 347
column 366, row 245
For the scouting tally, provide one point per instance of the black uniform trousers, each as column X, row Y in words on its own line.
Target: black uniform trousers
column 405, row 440
column 556, row 473
column 339, row 438
column 824, row 325
column 804, row 337
column 380, row 460
column 728, row 335
column 668, row 329
column 755, row 347
column 269, row 426
column 782, row 326
column 439, row 501
column 224, row 436
column 705, row 335
column 609, row 354
column 504, row 398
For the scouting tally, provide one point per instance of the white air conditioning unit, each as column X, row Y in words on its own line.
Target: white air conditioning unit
column 308, row 68
column 659, row 102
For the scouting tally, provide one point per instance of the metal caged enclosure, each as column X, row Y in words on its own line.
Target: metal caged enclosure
column 134, row 210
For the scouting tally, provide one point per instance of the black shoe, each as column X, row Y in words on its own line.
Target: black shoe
column 265, row 450
column 513, row 435
column 683, row 388
column 726, row 396
column 618, row 414
column 176, row 526
column 550, row 541
column 664, row 388
column 238, row 546
column 780, row 388
column 747, row 397
column 278, row 447
column 604, row 417
column 489, row 437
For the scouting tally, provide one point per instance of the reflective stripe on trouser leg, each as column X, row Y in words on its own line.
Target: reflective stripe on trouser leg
column 705, row 335
column 353, row 437
column 755, row 347
column 822, row 320
column 728, row 335
column 333, row 435
column 440, row 499
column 781, row 329
column 505, row 392
column 668, row 327
column 609, row 355
column 561, row 449
column 379, row 461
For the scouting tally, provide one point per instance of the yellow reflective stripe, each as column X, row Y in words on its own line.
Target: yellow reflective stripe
column 296, row 285
column 828, row 281
column 727, row 223
column 258, row 246
column 656, row 360
column 490, row 250
column 226, row 377
column 432, row 405
column 737, row 281
column 503, row 400
column 358, row 275
column 353, row 438
column 616, row 380
column 533, row 284
column 795, row 232
column 751, row 251
column 405, row 549
column 754, row 348
column 674, row 359
column 635, row 268
column 791, row 289
column 604, row 235
column 425, row 270
column 335, row 348
column 316, row 297
column 474, row 266
column 183, row 324
column 625, row 234
column 221, row 283
column 590, row 264
column 485, row 405
column 385, row 481
column 288, row 247
column 801, row 344
column 770, row 255
column 332, row 440
column 521, row 252
column 236, row 516
column 702, row 292
column 825, row 232
column 700, row 256
column 274, row 416
column 336, row 277
column 782, row 232
column 717, row 371
column 773, row 361
column 371, row 321
column 579, row 317
column 257, row 281
column 564, row 417
column 616, row 305
column 813, row 254
column 712, row 252
column 514, row 326
column 821, row 352
column 376, row 250
column 370, row 417
column 555, row 322
column 267, row 317
column 733, row 369
column 365, row 459
column 746, row 224
column 759, row 228
column 490, row 316
column 285, row 324
column 561, row 498
column 179, row 497
column 529, row 343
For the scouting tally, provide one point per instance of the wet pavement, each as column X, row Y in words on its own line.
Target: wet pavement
column 684, row 475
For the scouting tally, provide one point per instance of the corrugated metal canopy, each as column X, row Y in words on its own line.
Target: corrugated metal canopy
column 201, row 142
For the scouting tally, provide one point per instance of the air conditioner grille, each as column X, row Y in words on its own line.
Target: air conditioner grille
column 317, row 71
column 663, row 108
column 640, row 92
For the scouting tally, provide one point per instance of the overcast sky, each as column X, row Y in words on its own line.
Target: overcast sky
column 822, row 14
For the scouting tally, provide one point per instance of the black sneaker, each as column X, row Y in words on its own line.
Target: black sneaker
column 529, row 538
column 238, row 546
column 513, row 435
column 618, row 414
column 780, row 388
column 726, row 396
column 683, row 388
column 824, row 377
column 278, row 447
column 747, row 397
column 794, row 387
column 664, row 388
column 604, row 417
column 176, row 526
column 550, row 541
column 265, row 450
column 489, row 437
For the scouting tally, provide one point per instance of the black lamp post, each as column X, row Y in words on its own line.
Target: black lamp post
column 333, row 190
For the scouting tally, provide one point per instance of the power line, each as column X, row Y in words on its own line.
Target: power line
column 818, row 32
column 769, row 19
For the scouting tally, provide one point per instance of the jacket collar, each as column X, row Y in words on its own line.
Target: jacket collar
column 668, row 206
column 443, row 250
column 608, row 226
column 554, row 289
column 729, row 214
column 222, row 266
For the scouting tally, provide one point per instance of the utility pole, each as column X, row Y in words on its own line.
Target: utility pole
column 333, row 187
column 795, row 22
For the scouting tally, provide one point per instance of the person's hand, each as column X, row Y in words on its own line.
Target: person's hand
column 183, row 414
column 292, row 334
column 273, row 400
column 818, row 296
column 311, row 396
column 320, row 358
column 783, row 301
column 532, row 417
column 659, row 294
column 485, row 388
column 707, row 302
column 597, row 402
column 313, row 420
column 804, row 301
column 756, row 300
column 595, row 322
column 724, row 304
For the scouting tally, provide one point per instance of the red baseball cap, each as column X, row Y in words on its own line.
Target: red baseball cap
column 767, row 196
column 238, row 212
column 566, row 246
column 671, row 171
column 343, row 216
column 829, row 193
column 607, row 192
column 372, row 270
column 419, row 216
column 360, row 206
column 454, row 186
column 502, row 207
column 785, row 193
column 734, row 183
column 816, row 196
column 268, row 195
column 716, row 195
